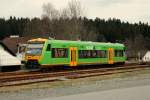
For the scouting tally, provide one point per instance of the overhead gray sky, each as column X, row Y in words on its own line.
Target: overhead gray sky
column 126, row 10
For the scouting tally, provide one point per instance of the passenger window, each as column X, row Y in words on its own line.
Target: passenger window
column 92, row 54
column 48, row 47
column 84, row 53
column 59, row 52
column 102, row 53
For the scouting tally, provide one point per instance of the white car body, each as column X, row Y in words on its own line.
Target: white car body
column 7, row 59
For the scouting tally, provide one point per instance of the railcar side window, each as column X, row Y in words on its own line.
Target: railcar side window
column 48, row 47
column 102, row 53
column 81, row 53
column 84, row 54
column 92, row 54
column 59, row 52
column 118, row 53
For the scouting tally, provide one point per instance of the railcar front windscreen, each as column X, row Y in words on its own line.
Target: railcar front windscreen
column 34, row 49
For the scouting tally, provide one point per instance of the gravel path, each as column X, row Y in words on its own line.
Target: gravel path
column 133, row 93
column 75, row 86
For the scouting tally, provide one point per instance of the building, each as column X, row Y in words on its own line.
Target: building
column 146, row 58
column 8, row 59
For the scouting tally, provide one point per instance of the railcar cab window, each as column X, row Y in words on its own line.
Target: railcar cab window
column 59, row 52
column 34, row 48
column 48, row 47
column 118, row 53
column 92, row 54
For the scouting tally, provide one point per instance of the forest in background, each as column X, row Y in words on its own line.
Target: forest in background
column 70, row 24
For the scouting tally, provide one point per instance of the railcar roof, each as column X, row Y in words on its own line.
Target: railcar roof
column 78, row 42
column 85, row 42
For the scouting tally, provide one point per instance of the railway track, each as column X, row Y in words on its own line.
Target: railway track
column 16, row 73
column 22, row 78
column 35, row 72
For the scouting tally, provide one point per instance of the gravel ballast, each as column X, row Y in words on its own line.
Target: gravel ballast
column 75, row 86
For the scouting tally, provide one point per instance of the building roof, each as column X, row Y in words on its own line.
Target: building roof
column 6, row 48
column 12, row 43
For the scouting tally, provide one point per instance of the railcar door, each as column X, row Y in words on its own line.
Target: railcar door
column 73, row 56
column 110, row 56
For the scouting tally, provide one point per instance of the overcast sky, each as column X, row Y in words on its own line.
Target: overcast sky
column 126, row 10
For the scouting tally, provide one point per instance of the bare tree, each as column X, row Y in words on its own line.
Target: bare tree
column 62, row 24
column 50, row 12
column 74, row 9
column 75, row 13
column 65, row 21
column 64, row 13
column 51, row 15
